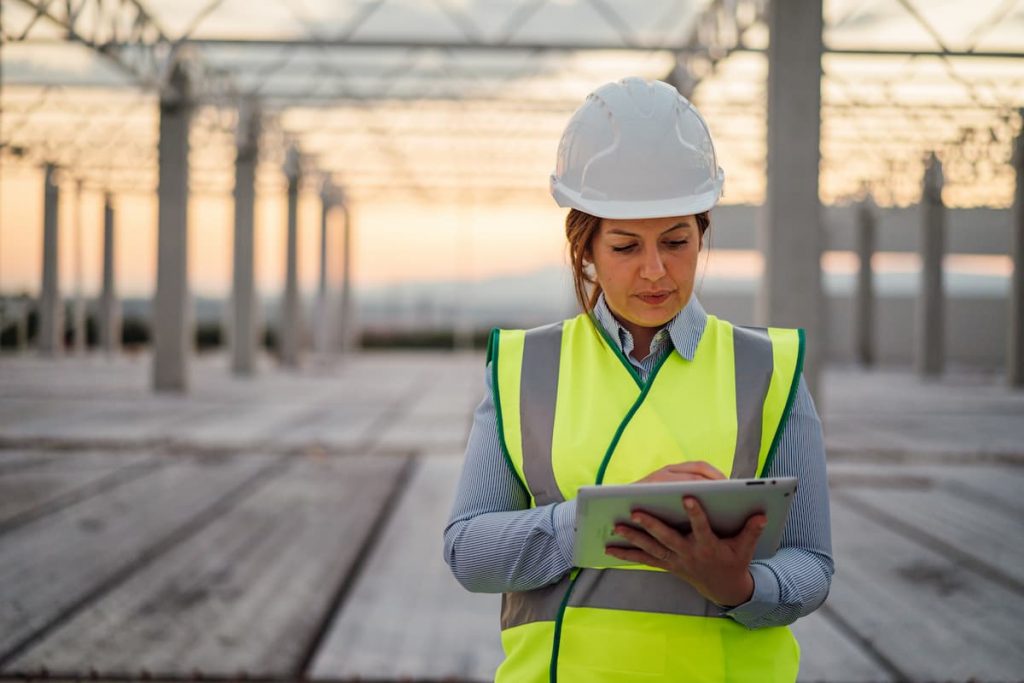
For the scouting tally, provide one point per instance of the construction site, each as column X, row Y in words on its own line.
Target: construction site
column 250, row 254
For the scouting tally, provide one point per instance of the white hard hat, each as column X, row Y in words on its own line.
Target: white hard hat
column 637, row 149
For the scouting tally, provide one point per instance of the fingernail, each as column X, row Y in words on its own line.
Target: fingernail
column 638, row 519
column 688, row 503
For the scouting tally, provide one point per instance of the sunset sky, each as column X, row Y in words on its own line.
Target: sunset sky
column 398, row 238
column 392, row 242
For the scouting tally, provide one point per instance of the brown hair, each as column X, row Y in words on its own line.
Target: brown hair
column 580, row 229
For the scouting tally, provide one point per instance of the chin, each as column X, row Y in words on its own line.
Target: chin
column 654, row 317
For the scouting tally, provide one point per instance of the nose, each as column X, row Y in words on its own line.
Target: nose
column 652, row 267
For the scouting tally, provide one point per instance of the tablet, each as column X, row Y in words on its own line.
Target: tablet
column 727, row 502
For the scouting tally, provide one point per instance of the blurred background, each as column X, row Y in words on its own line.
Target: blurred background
column 252, row 250
column 438, row 121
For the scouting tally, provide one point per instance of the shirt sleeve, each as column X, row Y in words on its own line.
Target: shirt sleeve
column 495, row 541
column 796, row 580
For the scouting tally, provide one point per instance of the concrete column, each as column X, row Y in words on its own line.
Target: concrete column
column 348, row 325
column 172, row 319
column 864, row 307
column 79, row 333
column 322, row 331
column 243, row 287
column 1015, row 363
column 110, row 306
column 51, row 308
column 291, row 321
column 931, row 329
column 791, row 235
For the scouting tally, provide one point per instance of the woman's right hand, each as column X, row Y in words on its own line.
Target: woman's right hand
column 719, row 568
column 693, row 470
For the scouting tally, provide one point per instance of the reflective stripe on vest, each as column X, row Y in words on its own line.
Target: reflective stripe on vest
column 625, row 589
column 738, row 396
column 542, row 348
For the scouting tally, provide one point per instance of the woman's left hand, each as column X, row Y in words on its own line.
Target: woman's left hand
column 717, row 567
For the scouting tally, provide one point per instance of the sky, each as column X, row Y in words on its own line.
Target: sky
column 392, row 242
column 398, row 239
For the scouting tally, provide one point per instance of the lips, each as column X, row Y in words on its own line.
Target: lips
column 654, row 298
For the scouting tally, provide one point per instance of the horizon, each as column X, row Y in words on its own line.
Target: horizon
column 513, row 248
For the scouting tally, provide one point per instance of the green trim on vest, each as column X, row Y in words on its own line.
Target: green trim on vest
column 616, row 350
column 629, row 416
column 556, row 640
column 493, row 344
column 490, row 345
column 645, row 389
column 794, row 385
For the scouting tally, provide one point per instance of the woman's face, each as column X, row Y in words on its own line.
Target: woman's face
column 646, row 266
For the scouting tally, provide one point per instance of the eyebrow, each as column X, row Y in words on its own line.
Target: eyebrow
column 633, row 234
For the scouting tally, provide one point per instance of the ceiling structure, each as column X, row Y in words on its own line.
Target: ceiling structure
column 449, row 100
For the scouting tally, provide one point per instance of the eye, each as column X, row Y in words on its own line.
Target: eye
column 675, row 244
column 625, row 249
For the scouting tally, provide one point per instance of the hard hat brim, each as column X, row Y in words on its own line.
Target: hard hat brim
column 679, row 206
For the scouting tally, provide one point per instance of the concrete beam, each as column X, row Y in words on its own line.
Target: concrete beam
column 110, row 305
column 51, row 308
column 172, row 318
column 404, row 43
column 291, row 321
column 244, row 328
column 931, row 329
column 791, row 232
column 864, row 321
column 1015, row 362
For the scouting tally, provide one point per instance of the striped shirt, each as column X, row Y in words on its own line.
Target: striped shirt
column 495, row 542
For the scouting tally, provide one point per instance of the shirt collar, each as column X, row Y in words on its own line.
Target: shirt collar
column 685, row 329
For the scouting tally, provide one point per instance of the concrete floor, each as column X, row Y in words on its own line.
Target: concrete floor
column 290, row 524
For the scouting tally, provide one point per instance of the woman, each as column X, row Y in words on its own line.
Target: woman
column 642, row 386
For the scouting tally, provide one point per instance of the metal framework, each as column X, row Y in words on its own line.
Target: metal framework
column 123, row 31
column 126, row 35
column 378, row 110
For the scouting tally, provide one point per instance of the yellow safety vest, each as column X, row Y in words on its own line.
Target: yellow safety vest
column 572, row 412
